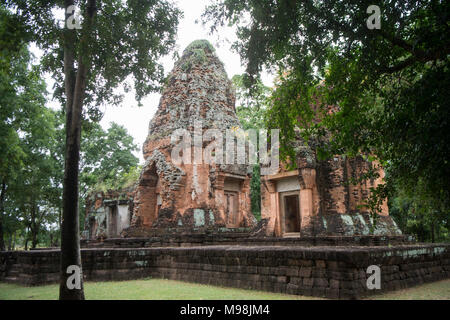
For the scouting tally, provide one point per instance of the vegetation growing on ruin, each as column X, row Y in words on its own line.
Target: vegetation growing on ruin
column 125, row 180
column 196, row 53
column 200, row 45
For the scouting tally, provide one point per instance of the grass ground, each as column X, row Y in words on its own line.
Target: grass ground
column 159, row 289
column 431, row 291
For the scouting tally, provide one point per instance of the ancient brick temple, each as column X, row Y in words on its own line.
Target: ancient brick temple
column 182, row 220
column 196, row 193
column 317, row 199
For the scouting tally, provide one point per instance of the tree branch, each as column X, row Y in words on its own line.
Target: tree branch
column 400, row 43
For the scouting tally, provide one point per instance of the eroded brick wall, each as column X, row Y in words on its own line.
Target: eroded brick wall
column 330, row 200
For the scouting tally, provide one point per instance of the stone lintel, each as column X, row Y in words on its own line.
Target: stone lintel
column 234, row 176
column 115, row 202
column 282, row 175
column 221, row 176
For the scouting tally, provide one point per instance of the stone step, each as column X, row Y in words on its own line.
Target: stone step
column 12, row 273
column 11, row 280
column 15, row 267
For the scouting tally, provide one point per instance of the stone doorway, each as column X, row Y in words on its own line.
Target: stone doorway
column 92, row 227
column 232, row 208
column 112, row 219
column 290, row 211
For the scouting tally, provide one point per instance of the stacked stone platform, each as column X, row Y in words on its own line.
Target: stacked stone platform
column 243, row 239
column 320, row 271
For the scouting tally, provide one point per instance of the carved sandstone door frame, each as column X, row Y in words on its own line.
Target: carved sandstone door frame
column 282, row 202
column 232, row 208
column 113, row 217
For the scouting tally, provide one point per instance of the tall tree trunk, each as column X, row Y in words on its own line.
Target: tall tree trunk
column 59, row 217
column 33, row 225
column 34, row 240
column 10, row 236
column 75, row 86
column 70, row 245
column 2, row 241
column 2, row 201
column 432, row 230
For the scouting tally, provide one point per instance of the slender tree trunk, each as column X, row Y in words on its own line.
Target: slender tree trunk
column 438, row 231
column 2, row 241
column 10, row 241
column 2, row 201
column 70, row 244
column 33, row 225
column 34, row 241
column 14, row 242
column 432, row 231
column 60, row 218
column 75, row 86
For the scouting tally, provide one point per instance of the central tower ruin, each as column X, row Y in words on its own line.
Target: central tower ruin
column 192, row 195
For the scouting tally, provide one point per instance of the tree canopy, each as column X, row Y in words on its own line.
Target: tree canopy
column 25, row 124
column 389, row 85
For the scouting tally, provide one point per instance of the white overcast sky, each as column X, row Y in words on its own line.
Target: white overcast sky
column 136, row 119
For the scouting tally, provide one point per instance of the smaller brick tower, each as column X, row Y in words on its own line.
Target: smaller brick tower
column 318, row 199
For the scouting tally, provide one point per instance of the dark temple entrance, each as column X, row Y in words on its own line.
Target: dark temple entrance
column 232, row 209
column 112, row 221
column 291, row 212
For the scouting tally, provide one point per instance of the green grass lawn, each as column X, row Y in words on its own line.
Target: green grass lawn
column 431, row 291
column 159, row 289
